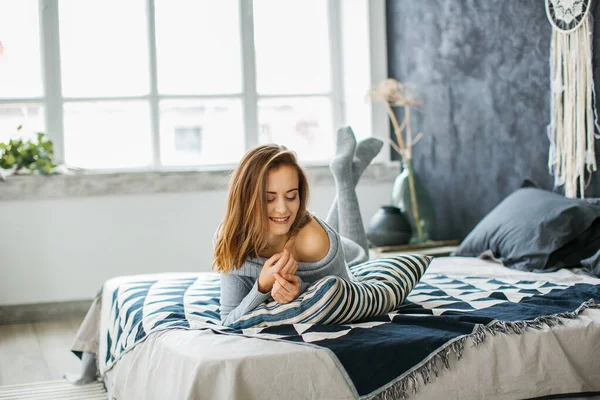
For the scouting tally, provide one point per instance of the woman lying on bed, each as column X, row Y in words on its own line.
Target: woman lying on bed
column 269, row 245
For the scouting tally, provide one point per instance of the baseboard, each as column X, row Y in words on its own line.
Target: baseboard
column 27, row 313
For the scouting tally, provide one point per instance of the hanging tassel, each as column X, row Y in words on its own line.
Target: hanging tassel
column 573, row 117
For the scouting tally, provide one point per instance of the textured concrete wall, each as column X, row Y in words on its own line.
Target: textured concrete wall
column 482, row 68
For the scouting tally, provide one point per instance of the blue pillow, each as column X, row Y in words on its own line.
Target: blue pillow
column 527, row 228
column 381, row 286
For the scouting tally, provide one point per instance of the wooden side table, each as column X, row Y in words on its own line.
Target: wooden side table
column 432, row 248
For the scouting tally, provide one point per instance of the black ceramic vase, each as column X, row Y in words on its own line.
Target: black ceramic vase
column 388, row 227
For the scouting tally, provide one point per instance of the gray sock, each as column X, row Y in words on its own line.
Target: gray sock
column 344, row 157
column 347, row 168
column 344, row 154
column 366, row 150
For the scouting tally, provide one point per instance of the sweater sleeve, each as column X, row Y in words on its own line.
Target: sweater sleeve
column 239, row 295
column 353, row 252
column 303, row 286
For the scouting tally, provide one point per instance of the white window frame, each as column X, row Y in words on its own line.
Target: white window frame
column 53, row 99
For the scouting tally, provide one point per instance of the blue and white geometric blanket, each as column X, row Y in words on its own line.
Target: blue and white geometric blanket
column 382, row 355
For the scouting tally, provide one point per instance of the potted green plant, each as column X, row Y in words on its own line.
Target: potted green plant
column 20, row 156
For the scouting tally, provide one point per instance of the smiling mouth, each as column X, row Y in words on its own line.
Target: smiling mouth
column 280, row 220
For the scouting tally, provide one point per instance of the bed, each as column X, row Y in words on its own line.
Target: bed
column 471, row 328
column 560, row 357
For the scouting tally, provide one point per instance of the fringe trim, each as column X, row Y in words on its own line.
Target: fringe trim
column 409, row 382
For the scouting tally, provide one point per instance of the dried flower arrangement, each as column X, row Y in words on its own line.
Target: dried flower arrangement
column 396, row 94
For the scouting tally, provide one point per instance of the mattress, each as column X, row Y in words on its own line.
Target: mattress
column 198, row 364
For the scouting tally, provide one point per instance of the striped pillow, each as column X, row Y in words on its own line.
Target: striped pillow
column 381, row 286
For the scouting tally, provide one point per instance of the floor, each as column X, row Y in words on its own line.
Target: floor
column 38, row 351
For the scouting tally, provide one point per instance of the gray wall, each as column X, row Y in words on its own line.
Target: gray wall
column 482, row 68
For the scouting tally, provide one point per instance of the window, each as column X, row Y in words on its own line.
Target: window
column 21, row 100
column 160, row 84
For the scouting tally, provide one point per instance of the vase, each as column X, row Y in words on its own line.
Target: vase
column 388, row 227
column 402, row 197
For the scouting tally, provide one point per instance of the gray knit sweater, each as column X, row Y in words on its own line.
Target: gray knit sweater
column 239, row 287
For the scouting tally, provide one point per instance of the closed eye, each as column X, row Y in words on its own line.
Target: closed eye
column 290, row 195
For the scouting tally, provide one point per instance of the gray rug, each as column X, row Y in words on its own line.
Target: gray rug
column 54, row 390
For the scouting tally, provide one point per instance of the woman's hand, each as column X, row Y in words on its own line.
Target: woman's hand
column 290, row 265
column 282, row 263
column 286, row 288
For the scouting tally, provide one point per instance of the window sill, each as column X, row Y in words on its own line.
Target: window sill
column 37, row 187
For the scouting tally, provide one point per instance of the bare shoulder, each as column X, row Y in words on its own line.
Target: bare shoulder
column 312, row 242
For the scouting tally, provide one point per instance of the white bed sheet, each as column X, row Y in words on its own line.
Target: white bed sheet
column 183, row 364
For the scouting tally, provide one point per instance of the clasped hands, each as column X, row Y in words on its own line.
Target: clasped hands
column 278, row 276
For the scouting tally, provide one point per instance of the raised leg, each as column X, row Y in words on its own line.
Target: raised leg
column 344, row 214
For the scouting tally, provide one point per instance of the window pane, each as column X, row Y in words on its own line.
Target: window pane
column 292, row 46
column 197, row 132
column 198, row 46
column 303, row 125
column 357, row 67
column 104, row 49
column 30, row 116
column 20, row 71
column 108, row 135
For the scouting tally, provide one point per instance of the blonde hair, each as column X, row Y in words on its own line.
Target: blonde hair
column 244, row 230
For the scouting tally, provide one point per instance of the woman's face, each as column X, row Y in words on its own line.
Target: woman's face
column 283, row 199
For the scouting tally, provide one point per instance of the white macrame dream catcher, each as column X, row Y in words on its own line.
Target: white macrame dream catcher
column 573, row 116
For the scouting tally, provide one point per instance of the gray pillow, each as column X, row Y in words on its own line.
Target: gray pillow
column 592, row 264
column 528, row 226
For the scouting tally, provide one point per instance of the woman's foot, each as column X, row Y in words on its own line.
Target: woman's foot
column 344, row 155
column 366, row 150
